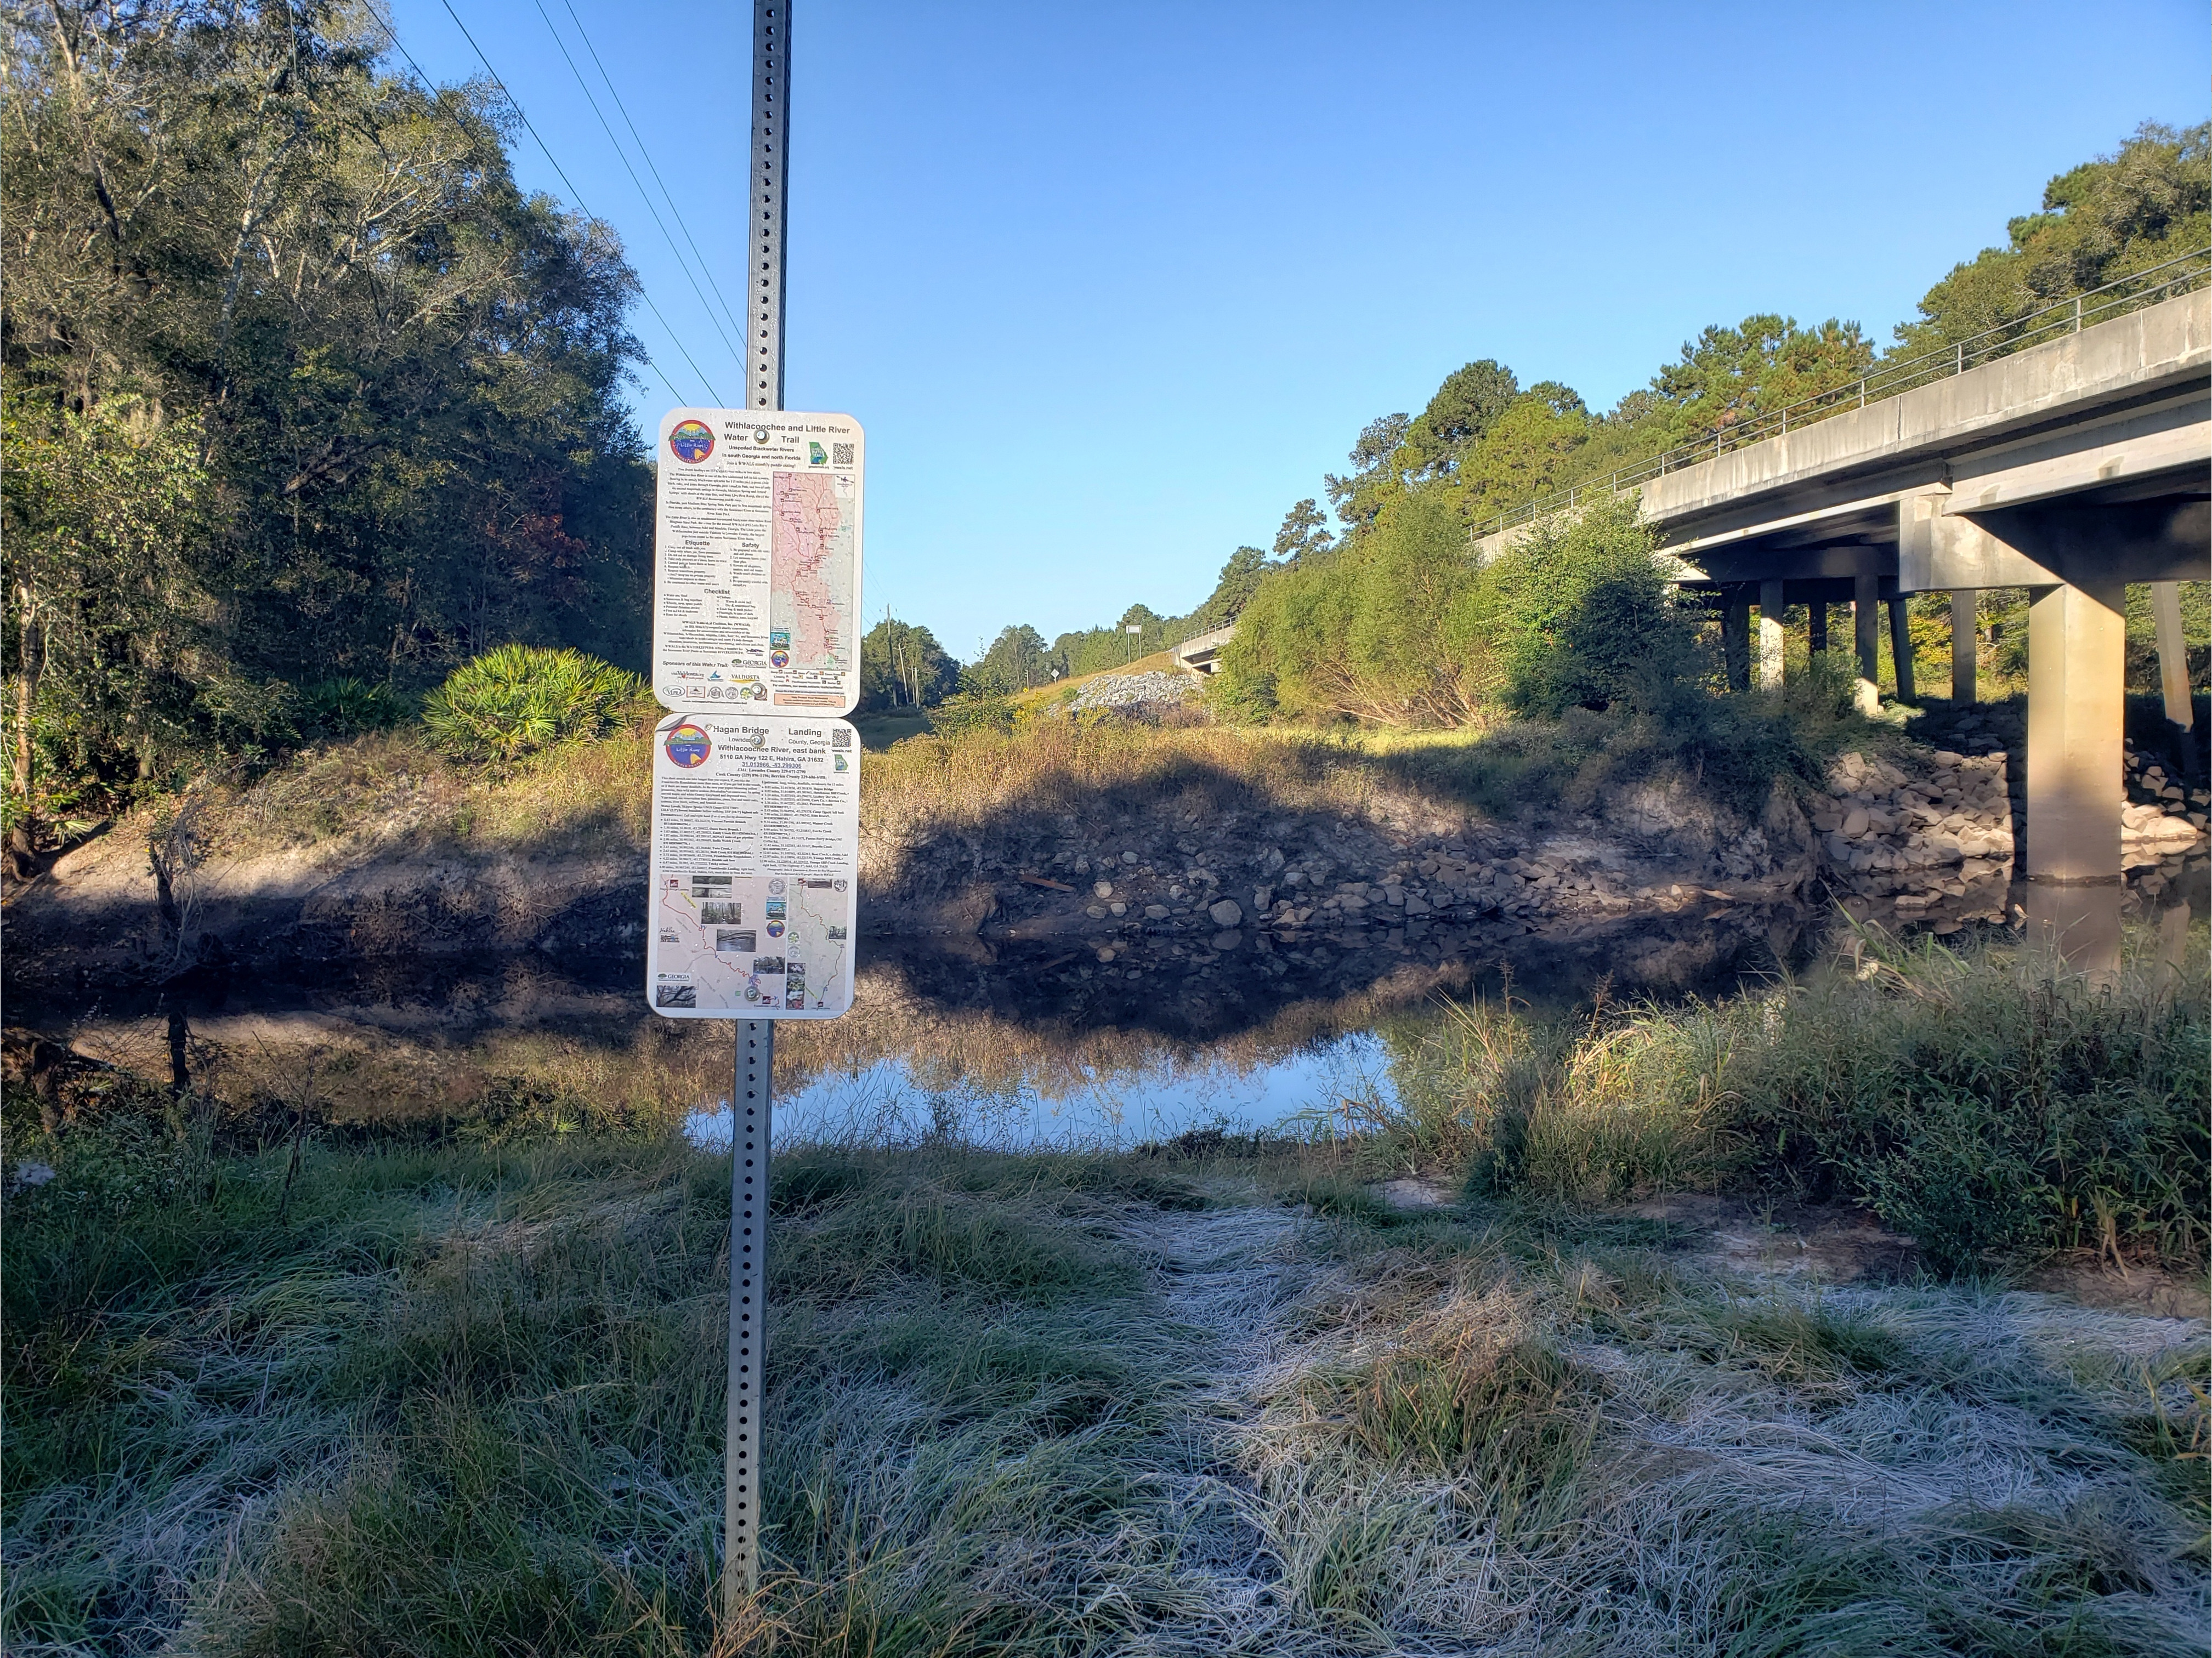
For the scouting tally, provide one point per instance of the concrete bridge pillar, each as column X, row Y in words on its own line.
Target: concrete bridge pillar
column 2076, row 689
column 1770, row 607
column 1735, row 637
column 2077, row 696
column 2173, row 654
column 1900, row 648
column 1964, row 646
column 1866, row 609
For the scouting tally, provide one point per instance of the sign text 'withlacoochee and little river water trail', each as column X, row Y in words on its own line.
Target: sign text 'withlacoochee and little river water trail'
column 755, row 868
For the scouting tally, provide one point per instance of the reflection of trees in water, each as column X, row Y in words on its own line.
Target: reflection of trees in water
column 982, row 1029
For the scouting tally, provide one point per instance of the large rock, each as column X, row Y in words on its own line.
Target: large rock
column 1226, row 913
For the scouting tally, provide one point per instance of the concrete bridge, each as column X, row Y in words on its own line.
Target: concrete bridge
column 2071, row 467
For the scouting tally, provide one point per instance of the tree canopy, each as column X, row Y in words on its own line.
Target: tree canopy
column 299, row 385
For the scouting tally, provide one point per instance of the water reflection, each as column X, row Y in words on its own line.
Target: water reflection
column 899, row 1102
column 1009, row 1047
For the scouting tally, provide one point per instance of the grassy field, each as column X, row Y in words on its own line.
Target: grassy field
column 466, row 1395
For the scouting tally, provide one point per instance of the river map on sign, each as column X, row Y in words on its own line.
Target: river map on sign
column 810, row 571
column 733, row 943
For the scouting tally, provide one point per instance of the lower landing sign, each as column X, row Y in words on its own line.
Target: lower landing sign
column 755, row 867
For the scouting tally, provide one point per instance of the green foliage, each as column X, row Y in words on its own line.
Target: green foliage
column 957, row 716
column 1995, row 1107
column 903, row 666
column 301, row 386
column 1767, row 362
column 1530, row 451
column 1017, row 661
column 1374, row 632
column 1579, row 614
column 2148, row 202
column 519, row 698
column 346, row 707
column 112, row 585
column 1991, row 1104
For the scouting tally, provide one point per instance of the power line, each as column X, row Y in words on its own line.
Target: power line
column 437, row 102
column 575, row 194
column 643, row 193
column 667, row 195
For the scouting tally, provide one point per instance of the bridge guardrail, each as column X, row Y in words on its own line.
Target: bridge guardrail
column 2069, row 316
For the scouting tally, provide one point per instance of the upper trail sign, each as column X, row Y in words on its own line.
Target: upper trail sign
column 757, row 584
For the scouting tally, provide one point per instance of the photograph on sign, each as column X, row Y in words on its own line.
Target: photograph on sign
column 755, row 869
column 756, row 584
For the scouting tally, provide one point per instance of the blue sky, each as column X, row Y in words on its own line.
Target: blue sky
column 1111, row 286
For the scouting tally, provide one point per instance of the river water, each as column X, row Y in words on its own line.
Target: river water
column 993, row 1046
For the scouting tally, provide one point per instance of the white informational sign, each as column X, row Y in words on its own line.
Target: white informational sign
column 757, row 565
column 756, row 867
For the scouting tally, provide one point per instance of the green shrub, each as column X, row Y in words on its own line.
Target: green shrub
column 518, row 699
column 346, row 708
column 1994, row 1105
column 1371, row 632
column 1578, row 615
column 958, row 716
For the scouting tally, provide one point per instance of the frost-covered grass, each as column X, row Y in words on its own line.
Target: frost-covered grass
column 456, row 1399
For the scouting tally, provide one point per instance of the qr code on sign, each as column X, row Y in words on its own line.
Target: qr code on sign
column 840, row 454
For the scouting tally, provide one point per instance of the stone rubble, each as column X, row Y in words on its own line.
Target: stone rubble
column 1134, row 691
column 1936, row 841
column 1925, row 838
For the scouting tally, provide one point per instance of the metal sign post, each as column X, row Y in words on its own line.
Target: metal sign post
column 771, row 145
column 754, row 874
column 749, row 1095
column 751, row 1091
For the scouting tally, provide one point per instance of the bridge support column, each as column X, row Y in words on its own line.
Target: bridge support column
column 1900, row 648
column 2076, row 688
column 1735, row 637
column 2173, row 654
column 1770, row 607
column 1866, row 609
column 1964, row 647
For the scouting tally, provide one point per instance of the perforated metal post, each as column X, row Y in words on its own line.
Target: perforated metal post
column 751, row 1093
column 771, row 146
column 750, row 1099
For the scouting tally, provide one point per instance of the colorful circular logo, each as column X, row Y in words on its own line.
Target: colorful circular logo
column 776, row 929
column 780, row 658
column 688, row 746
column 691, row 441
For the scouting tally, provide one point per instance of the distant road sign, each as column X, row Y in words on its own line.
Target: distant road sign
column 756, row 867
column 757, row 561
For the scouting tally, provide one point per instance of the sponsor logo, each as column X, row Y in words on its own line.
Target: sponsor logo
column 817, row 455
column 691, row 441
